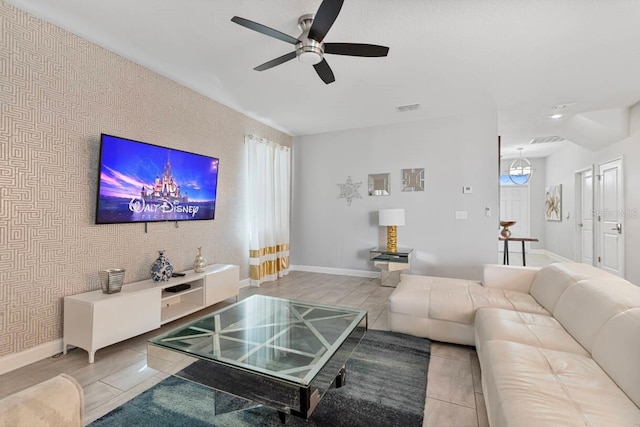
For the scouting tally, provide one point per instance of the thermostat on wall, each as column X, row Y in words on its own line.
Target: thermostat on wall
column 467, row 189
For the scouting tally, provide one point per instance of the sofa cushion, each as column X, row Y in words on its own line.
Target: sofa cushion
column 552, row 280
column 419, row 295
column 411, row 303
column 526, row 328
column 502, row 298
column 532, row 386
column 515, row 278
column 584, row 308
column 411, row 296
column 451, row 301
column 617, row 350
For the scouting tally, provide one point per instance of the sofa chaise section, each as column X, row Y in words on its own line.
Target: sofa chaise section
column 443, row 309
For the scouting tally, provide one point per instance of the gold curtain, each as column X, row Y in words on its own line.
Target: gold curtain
column 269, row 261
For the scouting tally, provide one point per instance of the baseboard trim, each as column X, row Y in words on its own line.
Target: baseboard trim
column 14, row 361
column 337, row 271
column 551, row 255
column 244, row 283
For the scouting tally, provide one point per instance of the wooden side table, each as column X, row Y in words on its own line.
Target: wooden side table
column 505, row 257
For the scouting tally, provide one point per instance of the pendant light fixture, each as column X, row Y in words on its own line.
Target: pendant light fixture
column 520, row 170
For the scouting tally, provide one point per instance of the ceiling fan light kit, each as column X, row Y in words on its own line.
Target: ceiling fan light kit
column 310, row 48
column 309, row 55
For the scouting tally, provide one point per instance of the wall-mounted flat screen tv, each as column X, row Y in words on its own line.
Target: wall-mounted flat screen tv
column 140, row 182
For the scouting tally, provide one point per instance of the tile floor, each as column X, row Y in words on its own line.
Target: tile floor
column 454, row 393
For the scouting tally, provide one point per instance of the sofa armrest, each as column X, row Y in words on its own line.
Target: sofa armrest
column 509, row 277
column 58, row 401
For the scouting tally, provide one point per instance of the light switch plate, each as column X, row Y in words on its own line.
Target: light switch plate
column 461, row 214
column 467, row 189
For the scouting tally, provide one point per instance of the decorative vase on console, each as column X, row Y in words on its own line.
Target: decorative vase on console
column 161, row 269
column 505, row 232
column 200, row 263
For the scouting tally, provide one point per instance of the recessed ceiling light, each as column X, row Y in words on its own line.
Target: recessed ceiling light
column 555, row 116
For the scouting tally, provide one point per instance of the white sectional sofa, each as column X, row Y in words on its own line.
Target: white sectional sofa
column 558, row 346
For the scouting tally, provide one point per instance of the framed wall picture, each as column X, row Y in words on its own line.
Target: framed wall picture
column 379, row 184
column 413, row 179
column 553, row 203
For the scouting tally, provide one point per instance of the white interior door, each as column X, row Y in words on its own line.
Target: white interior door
column 610, row 218
column 584, row 221
column 514, row 206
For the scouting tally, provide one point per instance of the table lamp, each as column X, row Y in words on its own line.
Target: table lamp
column 391, row 218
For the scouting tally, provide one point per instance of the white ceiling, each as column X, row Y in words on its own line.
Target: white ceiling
column 452, row 56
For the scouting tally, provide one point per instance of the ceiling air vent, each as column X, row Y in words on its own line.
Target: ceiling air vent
column 564, row 106
column 545, row 139
column 408, row 107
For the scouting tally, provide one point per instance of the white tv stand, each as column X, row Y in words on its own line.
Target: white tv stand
column 94, row 320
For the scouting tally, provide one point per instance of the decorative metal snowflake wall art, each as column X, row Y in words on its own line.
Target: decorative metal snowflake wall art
column 349, row 190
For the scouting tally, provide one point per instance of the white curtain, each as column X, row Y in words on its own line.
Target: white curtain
column 269, row 166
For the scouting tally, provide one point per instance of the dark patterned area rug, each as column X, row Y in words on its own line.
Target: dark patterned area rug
column 386, row 385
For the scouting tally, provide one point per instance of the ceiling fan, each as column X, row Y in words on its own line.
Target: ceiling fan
column 310, row 48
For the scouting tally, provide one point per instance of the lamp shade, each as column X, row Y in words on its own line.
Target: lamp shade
column 391, row 217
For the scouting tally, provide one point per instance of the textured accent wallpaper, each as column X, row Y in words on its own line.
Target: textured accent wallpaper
column 58, row 92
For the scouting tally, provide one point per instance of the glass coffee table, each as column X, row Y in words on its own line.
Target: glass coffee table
column 280, row 353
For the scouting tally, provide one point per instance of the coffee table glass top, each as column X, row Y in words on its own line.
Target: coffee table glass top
column 289, row 340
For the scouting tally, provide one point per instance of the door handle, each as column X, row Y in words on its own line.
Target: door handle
column 618, row 228
column 580, row 225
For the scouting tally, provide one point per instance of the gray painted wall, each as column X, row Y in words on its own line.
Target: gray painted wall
column 536, row 202
column 454, row 152
column 561, row 168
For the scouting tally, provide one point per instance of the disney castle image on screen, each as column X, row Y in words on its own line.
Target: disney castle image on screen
column 140, row 182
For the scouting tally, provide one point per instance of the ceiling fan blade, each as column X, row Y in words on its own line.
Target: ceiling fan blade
column 324, row 71
column 280, row 60
column 324, row 19
column 356, row 49
column 263, row 29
